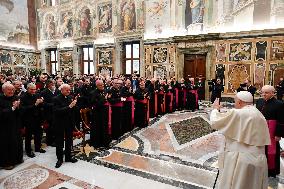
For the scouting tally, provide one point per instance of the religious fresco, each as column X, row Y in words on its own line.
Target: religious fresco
column 128, row 15
column 104, row 57
column 160, row 71
column 14, row 25
column 240, row 51
column 172, row 71
column 157, row 17
column 221, row 52
column 66, row 24
column 85, row 22
column 105, row 18
column 66, row 62
column 5, row 58
column 160, row 55
column 148, row 71
column 194, row 12
column 261, row 51
column 49, row 28
column 259, row 75
column 277, row 50
column 105, row 71
column 237, row 75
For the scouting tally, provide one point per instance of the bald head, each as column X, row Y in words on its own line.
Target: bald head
column 65, row 89
column 100, row 85
column 267, row 92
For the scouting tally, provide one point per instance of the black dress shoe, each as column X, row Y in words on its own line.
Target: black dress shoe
column 41, row 150
column 31, row 154
column 58, row 164
column 72, row 160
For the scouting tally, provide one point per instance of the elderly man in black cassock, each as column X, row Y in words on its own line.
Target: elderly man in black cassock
column 10, row 134
column 141, row 97
column 99, row 129
column 128, row 109
column 273, row 111
column 31, row 107
column 63, row 107
column 116, row 101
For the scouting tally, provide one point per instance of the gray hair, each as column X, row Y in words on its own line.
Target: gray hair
column 31, row 85
column 7, row 84
column 64, row 85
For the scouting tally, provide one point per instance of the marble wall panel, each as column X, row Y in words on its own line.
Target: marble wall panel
column 277, row 50
column 240, row 51
column 238, row 73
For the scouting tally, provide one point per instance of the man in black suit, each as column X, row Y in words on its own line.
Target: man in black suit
column 31, row 107
column 63, row 107
column 48, row 94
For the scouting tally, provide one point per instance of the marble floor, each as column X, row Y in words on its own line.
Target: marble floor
column 177, row 150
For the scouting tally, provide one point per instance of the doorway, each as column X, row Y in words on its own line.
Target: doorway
column 195, row 67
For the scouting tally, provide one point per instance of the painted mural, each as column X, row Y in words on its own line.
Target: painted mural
column 261, row 51
column 157, row 17
column 66, row 24
column 17, row 61
column 66, row 63
column 221, row 52
column 160, row 71
column 160, row 55
column 105, row 18
column 259, row 75
column 14, row 25
column 104, row 57
column 277, row 50
column 240, row 51
column 49, row 28
column 128, row 15
column 85, row 22
column 194, row 12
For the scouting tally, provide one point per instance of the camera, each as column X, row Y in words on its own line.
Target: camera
column 212, row 82
column 243, row 85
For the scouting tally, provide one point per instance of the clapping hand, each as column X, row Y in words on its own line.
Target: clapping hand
column 16, row 104
column 73, row 103
column 39, row 101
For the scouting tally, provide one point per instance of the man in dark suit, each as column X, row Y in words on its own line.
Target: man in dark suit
column 63, row 107
column 48, row 94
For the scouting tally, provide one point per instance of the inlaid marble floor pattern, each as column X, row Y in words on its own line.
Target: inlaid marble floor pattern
column 177, row 150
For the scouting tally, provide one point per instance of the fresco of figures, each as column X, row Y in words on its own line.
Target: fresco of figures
column 105, row 17
column 194, row 12
column 14, row 25
column 49, row 27
column 85, row 22
column 66, row 25
column 128, row 15
column 157, row 17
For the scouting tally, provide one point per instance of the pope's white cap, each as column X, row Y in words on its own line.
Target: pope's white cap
column 245, row 96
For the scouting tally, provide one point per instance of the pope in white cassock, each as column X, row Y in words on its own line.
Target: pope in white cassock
column 242, row 163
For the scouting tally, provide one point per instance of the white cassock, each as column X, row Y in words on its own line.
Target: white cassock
column 243, row 163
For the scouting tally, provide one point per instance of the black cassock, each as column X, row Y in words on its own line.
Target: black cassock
column 116, row 108
column 10, row 134
column 32, row 120
column 99, row 129
column 127, row 109
column 64, row 125
column 273, row 109
column 151, row 90
column 141, row 108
